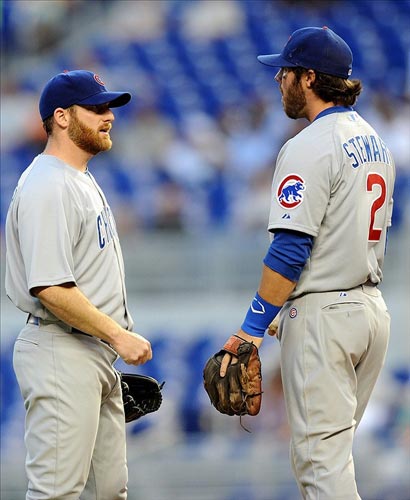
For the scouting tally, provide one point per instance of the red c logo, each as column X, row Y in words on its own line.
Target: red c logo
column 98, row 80
column 290, row 191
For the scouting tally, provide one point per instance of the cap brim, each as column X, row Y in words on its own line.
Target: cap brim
column 275, row 60
column 115, row 99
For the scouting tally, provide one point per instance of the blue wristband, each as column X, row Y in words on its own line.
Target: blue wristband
column 260, row 315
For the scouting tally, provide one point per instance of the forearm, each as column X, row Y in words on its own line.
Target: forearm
column 283, row 265
column 72, row 307
column 275, row 289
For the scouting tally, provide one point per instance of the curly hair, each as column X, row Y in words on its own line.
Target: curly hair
column 330, row 88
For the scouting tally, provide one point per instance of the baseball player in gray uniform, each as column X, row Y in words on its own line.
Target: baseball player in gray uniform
column 331, row 207
column 64, row 268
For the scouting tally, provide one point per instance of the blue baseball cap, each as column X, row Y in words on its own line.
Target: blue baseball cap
column 314, row 48
column 77, row 87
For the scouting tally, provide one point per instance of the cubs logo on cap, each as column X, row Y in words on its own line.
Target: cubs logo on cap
column 98, row 80
column 290, row 191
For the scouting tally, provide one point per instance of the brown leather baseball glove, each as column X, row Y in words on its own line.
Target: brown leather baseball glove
column 239, row 392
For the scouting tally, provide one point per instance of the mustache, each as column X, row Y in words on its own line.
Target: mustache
column 105, row 128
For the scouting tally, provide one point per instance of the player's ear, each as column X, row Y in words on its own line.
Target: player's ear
column 310, row 77
column 61, row 117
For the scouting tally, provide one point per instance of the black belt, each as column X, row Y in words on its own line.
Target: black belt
column 35, row 320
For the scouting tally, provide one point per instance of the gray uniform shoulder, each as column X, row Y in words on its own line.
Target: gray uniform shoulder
column 315, row 147
column 46, row 171
column 48, row 180
column 323, row 129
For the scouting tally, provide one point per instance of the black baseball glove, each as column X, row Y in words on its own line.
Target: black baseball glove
column 239, row 392
column 140, row 394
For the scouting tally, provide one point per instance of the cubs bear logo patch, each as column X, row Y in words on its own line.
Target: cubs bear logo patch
column 290, row 191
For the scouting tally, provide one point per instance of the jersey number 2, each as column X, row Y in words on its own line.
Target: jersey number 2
column 373, row 180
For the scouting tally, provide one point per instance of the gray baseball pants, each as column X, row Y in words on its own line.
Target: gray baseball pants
column 75, row 427
column 333, row 347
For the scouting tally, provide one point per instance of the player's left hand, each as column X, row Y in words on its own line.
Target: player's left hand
column 229, row 359
column 240, row 391
column 141, row 395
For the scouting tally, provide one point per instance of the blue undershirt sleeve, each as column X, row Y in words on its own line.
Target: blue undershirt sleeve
column 288, row 253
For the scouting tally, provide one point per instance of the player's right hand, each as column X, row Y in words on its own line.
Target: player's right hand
column 273, row 327
column 133, row 348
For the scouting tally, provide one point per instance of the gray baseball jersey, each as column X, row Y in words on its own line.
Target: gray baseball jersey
column 66, row 233
column 334, row 181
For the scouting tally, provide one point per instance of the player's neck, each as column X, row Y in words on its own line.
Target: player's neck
column 313, row 103
column 316, row 107
column 70, row 154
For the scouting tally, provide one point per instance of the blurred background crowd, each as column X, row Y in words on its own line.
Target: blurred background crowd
column 189, row 180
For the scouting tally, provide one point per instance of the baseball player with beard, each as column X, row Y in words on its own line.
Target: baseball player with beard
column 64, row 268
column 330, row 210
